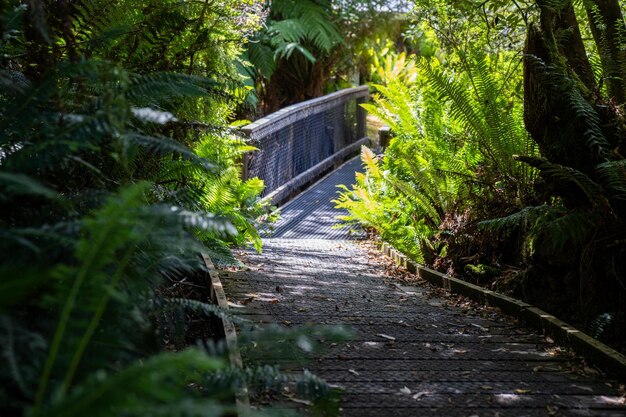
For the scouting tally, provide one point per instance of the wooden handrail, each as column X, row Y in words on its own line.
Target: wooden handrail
column 299, row 111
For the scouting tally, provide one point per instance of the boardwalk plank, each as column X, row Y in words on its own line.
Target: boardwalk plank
column 453, row 362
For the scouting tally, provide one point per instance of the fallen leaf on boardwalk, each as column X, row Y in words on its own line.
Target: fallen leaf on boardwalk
column 274, row 301
column 537, row 368
column 247, row 301
column 352, row 371
column 478, row 326
column 420, row 395
column 290, row 397
column 522, row 391
column 405, row 390
column 286, row 322
column 486, row 387
column 384, row 336
column 552, row 410
column 431, row 347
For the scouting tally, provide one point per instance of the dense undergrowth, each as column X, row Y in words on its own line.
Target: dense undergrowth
column 118, row 168
column 506, row 165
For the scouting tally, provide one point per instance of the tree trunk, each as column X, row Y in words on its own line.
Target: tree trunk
column 607, row 25
column 555, row 75
column 576, row 127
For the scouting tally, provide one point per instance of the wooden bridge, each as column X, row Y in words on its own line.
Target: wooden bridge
column 416, row 350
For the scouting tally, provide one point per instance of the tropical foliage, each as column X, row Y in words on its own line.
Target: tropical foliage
column 535, row 157
column 117, row 169
column 453, row 150
column 289, row 58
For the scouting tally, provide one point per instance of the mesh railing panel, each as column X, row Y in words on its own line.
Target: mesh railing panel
column 297, row 138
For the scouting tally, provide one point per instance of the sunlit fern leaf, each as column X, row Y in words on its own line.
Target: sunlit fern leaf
column 262, row 56
column 314, row 21
column 422, row 201
column 369, row 160
column 302, row 26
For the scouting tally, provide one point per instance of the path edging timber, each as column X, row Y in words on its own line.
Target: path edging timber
column 604, row 357
column 218, row 297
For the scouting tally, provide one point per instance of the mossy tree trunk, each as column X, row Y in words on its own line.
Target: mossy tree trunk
column 607, row 26
column 578, row 128
column 564, row 111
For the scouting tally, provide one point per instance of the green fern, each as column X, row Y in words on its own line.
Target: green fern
column 107, row 181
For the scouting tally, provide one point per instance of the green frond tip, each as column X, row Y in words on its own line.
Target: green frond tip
column 526, row 216
column 199, row 307
column 592, row 190
column 153, row 383
column 20, row 184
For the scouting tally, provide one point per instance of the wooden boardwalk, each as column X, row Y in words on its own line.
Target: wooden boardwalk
column 413, row 353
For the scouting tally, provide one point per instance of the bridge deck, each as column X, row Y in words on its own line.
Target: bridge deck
column 414, row 353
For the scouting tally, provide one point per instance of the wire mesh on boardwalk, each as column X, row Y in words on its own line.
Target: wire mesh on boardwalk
column 297, row 138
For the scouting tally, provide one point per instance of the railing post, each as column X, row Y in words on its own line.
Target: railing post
column 384, row 136
column 361, row 118
column 245, row 158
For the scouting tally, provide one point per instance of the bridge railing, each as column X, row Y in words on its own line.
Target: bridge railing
column 298, row 143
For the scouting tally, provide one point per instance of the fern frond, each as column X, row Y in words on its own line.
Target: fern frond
column 591, row 189
column 165, row 146
column 614, row 174
column 156, row 381
column 524, row 218
column 20, row 184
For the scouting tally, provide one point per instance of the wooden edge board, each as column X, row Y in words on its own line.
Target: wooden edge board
column 218, row 296
column 604, row 357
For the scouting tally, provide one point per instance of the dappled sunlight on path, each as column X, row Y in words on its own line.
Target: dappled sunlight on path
column 413, row 353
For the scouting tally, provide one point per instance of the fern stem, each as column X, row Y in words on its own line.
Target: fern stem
column 95, row 321
column 65, row 315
